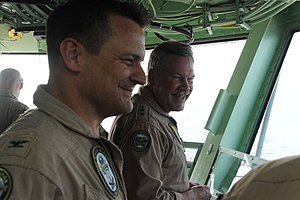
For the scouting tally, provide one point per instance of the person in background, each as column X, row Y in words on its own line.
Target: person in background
column 154, row 158
column 275, row 180
column 95, row 49
column 11, row 84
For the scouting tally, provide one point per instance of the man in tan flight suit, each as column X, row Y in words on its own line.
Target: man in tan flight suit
column 275, row 180
column 55, row 152
column 154, row 159
column 11, row 84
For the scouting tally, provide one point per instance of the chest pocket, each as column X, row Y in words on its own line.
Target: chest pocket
column 96, row 194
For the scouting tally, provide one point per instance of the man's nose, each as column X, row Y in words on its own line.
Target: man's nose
column 185, row 84
column 138, row 75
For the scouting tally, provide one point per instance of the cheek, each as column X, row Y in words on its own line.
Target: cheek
column 96, row 77
column 171, row 86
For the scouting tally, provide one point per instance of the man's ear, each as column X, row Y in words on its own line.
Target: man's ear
column 71, row 51
column 151, row 79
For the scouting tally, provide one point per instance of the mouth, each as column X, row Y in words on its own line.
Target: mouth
column 128, row 91
column 181, row 95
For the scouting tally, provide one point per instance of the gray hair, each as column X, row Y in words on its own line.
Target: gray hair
column 161, row 52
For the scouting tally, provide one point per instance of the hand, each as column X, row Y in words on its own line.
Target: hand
column 192, row 184
column 198, row 192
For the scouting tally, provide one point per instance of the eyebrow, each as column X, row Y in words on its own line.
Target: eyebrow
column 177, row 73
column 135, row 56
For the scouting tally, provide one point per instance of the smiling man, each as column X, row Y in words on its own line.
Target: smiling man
column 154, row 159
column 95, row 49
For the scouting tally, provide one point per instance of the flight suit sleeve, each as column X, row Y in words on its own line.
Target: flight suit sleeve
column 144, row 149
column 25, row 184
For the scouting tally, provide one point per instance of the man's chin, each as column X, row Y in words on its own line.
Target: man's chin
column 121, row 109
column 127, row 108
column 178, row 108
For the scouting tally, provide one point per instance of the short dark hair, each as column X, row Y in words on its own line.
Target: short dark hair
column 161, row 52
column 87, row 22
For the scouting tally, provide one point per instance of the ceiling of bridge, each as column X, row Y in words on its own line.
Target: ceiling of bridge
column 204, row 20
column 192, row 21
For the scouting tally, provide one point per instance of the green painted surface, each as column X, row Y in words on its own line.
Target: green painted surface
column 251, row 84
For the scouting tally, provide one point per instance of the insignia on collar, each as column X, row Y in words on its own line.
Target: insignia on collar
column 5, row 184
column 140, row 141
column 105, row 171
column 18, row 145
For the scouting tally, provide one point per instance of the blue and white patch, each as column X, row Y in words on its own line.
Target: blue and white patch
column 5, row 184
column 105, row 170
column 140, row 141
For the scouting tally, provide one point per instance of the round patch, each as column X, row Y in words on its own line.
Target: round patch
column 140, row 141
column 5, row 184
column 105, row 171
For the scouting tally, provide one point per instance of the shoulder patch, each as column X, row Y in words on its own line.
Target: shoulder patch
column 140, row 141
column 106, row 170
column 6, row 184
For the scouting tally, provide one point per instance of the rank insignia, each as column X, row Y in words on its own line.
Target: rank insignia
column 140, row 141
column 5, row 184
column 105, row 170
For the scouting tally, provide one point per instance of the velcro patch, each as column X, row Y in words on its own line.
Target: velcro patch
column 106, row 170
column 18, row 145
column 5, row 184
column 140, row 140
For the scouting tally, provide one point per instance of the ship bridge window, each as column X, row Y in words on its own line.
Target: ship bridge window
column 278, row 135
column 214, row 65
column 29, row 65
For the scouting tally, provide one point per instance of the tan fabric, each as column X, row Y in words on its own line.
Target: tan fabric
column 48, row 154
column 156, row 168
column 10, row 109
column 275, row 180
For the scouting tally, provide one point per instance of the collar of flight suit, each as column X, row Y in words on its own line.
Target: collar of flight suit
column 146, row 94
column 5, row 93
column 61, row 112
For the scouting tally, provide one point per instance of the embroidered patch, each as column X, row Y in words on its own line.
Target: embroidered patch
column 18, row 145
column 105, row 171
column 140, row 141
column 5, row 184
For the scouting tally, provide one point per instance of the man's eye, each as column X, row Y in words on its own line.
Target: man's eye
column 190, row 79
column 128, row 62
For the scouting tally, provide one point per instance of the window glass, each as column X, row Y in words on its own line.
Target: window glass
column 214, row 65
column 280, row 124
column 33, row 69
